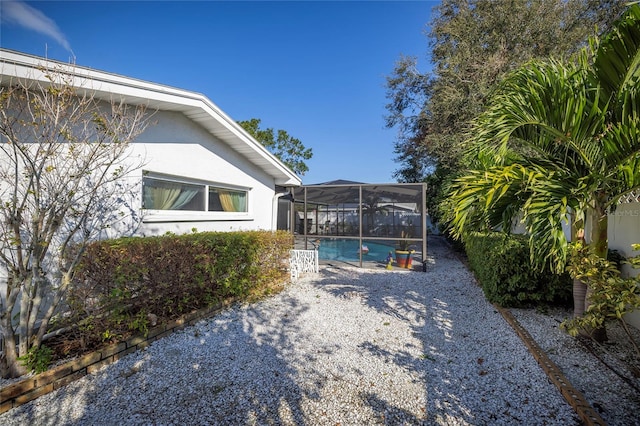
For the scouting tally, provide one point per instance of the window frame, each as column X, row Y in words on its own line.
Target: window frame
column 167, row 215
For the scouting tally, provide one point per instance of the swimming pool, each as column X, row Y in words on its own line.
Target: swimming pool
column 347, row 250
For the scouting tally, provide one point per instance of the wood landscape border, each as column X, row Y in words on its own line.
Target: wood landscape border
column 578, row 402
column 32, row 387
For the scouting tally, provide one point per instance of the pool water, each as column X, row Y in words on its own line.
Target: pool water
column 347, row 250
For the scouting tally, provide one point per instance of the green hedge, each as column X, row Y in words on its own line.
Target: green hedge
column 502, row 265
column 123, row 286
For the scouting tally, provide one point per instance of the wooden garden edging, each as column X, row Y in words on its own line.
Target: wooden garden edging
column 30, row 388
column 581, row 406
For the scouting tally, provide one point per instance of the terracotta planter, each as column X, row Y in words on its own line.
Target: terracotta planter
column 404, row 258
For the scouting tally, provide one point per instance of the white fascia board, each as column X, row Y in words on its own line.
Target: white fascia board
column 155, row 96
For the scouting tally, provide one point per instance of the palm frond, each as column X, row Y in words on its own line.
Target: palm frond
column 617, row 62
column 555, row 139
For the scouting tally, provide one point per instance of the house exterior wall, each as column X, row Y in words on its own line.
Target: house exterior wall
column 624, row 230
column 176, row 147
column 192, row 140
column 189, row 140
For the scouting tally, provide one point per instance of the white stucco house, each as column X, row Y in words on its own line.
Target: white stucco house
column 200, row 168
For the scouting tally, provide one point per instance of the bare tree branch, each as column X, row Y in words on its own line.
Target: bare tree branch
column 63, row 169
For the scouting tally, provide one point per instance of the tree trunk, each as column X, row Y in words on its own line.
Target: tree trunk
column 600, row 228
column 10, row 367
column 579, row 288
column 579, row 297
column 600, row 241
column 598, row 334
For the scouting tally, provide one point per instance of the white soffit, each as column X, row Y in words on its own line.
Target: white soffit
column 195, row 106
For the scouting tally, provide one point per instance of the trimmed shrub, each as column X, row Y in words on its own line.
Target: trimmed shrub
column 502, row 265
column 126, row 285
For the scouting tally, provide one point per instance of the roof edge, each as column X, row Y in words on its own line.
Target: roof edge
column 135, row 91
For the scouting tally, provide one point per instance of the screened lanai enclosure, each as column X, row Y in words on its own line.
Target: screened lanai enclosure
column 360, row 223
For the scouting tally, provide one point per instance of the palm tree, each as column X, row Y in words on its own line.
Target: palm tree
column 370, row 207
column 558, row 142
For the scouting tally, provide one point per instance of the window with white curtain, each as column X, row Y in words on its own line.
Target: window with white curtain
column 160, row 193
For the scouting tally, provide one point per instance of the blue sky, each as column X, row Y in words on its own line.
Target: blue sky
column 314, row 69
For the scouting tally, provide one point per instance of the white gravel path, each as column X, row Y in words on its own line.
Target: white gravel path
column 350, row 347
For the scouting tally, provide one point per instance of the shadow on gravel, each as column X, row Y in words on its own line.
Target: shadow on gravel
column 228, row 370
column 406, row 296
column 388, row 413
column 453, row 327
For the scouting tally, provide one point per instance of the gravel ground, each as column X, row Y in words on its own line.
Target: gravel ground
column 608, row 375
column 349, row 347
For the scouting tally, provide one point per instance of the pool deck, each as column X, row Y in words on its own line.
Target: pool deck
column 415, row 266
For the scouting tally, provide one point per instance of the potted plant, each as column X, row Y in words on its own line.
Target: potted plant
column 403, row 250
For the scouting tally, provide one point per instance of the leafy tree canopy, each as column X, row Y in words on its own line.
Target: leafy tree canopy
column 474, row 44
column 288, row 149
column 558, row 144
